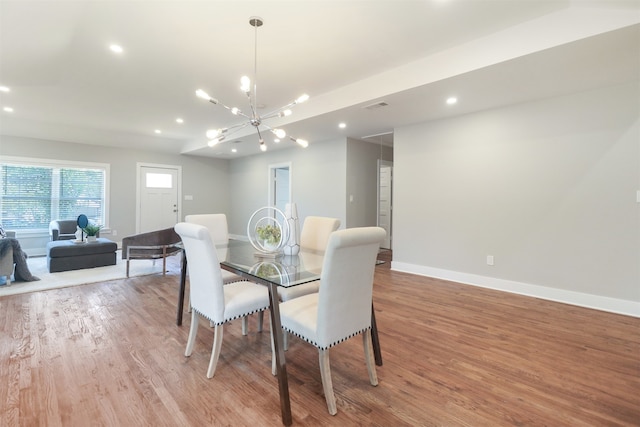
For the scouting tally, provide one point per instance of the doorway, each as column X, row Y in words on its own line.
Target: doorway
column 158, row 196
column 385, row 200
column 279, row 185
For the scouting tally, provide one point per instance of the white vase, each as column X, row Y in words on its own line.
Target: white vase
column 293, row 244
column 91, row 239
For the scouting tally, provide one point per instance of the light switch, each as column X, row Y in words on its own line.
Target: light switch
column 188, row 197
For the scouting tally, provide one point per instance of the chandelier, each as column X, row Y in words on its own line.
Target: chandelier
column 254, row 119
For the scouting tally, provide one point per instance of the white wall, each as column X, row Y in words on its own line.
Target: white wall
column 318, row 176
column 204, row 178
column 548, row 188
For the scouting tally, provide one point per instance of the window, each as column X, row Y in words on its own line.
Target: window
column 158, row 180
column 33, row 192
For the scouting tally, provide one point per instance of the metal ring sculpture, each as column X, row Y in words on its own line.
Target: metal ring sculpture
column 268, row 230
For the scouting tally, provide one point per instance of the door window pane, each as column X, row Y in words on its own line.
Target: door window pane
column 158, row 180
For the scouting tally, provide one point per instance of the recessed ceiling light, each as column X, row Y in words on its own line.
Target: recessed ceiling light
column 276, row 140
column 116, row 48
column 4, row 89
column 452, row 100
column 8, row 109
column 233, row 150
column 158, row 131
column 342, row 125
column 179, row 120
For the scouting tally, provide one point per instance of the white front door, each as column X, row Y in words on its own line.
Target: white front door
column 385, row 176
column 158, row 201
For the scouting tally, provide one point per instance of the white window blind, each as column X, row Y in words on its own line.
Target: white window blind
column 33, row 192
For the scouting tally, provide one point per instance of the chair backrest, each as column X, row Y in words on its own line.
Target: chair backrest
column 215, row 223
column 316, row 231
column 205, row 277
column 346, row 284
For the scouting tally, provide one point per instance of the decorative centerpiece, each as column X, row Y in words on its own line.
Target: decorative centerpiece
column 268, row 231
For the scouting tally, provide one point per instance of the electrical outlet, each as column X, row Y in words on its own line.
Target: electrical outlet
column 489, row 259
column 114, row 232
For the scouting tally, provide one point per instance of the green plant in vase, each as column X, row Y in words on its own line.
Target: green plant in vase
column 92, row 230
column 269, row 235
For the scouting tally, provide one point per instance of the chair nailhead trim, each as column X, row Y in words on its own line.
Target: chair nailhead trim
column 228, row 320
column 315, row 344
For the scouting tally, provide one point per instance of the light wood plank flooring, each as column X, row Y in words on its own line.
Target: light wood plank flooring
column 110, row 354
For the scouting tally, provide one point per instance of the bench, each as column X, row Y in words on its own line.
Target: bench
column 64, row 255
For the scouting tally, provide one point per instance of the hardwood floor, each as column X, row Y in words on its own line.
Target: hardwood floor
column 110, row 354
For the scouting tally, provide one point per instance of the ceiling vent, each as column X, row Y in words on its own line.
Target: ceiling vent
column 376, row 105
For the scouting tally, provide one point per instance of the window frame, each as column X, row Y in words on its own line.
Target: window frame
column 61, row 164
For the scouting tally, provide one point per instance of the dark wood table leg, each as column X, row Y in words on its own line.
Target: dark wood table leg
column 281, row 364
column 183, row 284
column 375, row 341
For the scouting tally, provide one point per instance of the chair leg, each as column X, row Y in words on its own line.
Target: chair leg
column 368, row 357
column 327, row 384
column 285, row 340
column 128, row 267
column 215, row 351
column 260, row 320
column 245, row 325
column 192, row 333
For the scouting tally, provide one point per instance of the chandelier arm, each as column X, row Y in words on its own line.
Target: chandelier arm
column 274, row 113
column 238, row 127
column 239, row 113
column 259, row 134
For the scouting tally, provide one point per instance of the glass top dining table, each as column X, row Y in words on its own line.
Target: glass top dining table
column 241, row 258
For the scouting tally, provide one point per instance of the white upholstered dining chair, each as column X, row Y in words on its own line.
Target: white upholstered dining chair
column 342, row 307
column 219, row 232
column 210, row 298
column 313, row 237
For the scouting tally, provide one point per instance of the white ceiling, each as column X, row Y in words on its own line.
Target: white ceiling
column 66, row 85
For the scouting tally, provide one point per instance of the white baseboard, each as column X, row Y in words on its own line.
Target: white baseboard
column 597, row 302
column 239, row 237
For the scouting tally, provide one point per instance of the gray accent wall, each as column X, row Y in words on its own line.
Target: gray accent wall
column 318, row 176
column 548, row 188
column 205, row 179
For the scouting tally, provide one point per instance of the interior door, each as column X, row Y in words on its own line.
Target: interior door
column 280, row 185
column 385, row 208
column 158, row 198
